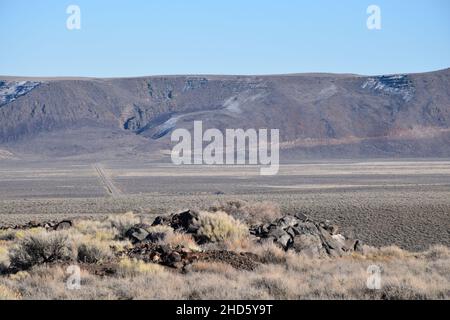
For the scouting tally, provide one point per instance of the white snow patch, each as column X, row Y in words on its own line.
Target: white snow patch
column 235, row 103
column 397, row 85
column 328, row 92
column 11, row 90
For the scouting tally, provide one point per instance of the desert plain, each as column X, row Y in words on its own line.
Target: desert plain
column 404, row 203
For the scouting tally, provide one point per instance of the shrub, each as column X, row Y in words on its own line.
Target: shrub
column 21, row 234
column 93, row 252
column 269, row 252
column 122, row 223
column 250, row 212
column 40, row 248
column 19, row 276
column 437, row 252
column 219, row 227
column 4, row 259
column 182, row 240
column 101, row 230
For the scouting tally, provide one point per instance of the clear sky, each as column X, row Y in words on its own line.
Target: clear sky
column 155, row 37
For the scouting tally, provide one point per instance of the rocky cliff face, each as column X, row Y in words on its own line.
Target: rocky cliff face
column 319, row 115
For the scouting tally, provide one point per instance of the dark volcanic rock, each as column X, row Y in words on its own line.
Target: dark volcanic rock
column 299, row 233
column 183, row 221
column 155, row 237
column 63, row 225
column 48, row 225
column 136, row 234
column 180, row 258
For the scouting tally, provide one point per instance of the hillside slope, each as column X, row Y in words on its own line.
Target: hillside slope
column 319, row 115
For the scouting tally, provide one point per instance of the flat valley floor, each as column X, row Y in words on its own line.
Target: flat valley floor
column 404, row 203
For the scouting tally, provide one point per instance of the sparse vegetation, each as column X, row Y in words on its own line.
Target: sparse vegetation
column 250, row 212
column 93, row 252
column 4, row 258
column 39, row 258
column 122, row 223
column 219, row 227
column 8, row 294
column 41, row 248
column 7, row 235
column 132, row 268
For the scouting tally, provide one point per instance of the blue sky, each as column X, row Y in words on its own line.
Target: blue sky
column 154, row 37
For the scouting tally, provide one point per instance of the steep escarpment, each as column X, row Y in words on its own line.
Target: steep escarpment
column 318, row 115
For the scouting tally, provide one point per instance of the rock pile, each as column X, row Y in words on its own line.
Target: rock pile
column 184, row 221
column 162, row 254
column 299, row 233
column 180, row 258
column 49, row 225
column 291, row 232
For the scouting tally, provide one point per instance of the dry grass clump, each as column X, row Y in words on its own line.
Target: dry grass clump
column 220, row 227
column 22, row 234
column 40, row 248
column 211, row 267
column 250, row 213
column 132, row 267
column 4, row 258
column 93, row 251
column 174, row 238
column 181, row 240
column 8, row 294
column 19, row 276
column 437, row 252
column 7, row 235
column 269, row 252
column 100, row 230
column 122, row 223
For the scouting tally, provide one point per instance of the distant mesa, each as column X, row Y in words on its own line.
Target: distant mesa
column 320, row 116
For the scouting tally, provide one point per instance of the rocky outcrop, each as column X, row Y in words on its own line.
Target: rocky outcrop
column 182, row 258
column 184, row 221
column 299, row 233
column 392, row 85
column 291, row 232
column 48, row 225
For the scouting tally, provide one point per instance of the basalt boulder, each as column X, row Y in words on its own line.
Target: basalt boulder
column 299, row 233
column 184, row 221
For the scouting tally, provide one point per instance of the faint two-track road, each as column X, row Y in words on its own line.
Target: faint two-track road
column 106, row 180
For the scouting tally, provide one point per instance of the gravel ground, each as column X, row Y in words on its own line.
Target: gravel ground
column 382, row 203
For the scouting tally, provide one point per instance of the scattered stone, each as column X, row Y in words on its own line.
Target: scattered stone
column 287, row 221
column 333, row 229
column 161, row 254
column 155, row 237
column 240, row 261
column 301, row 217
column 144, row 226
column 48, row 225
column 136, row 235
column 180, row 258
column 63, row 225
